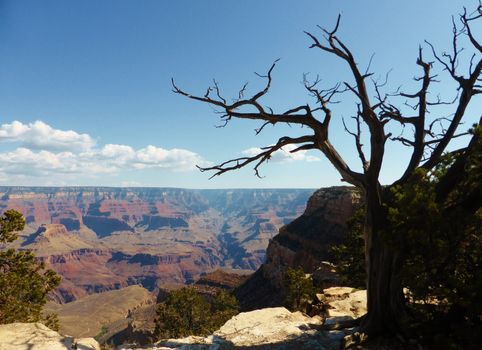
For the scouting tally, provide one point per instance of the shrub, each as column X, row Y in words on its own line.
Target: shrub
column 223, row 307
column 24, row 282
column 299, row 289
column 349, row 256
column 185, row 312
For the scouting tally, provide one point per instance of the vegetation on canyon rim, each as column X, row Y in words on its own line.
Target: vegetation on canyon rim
column 300, row 290
column 24, row 282
column 375, row 108
column 186, row 312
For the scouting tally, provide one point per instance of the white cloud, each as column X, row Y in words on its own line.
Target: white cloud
column 126, row 157
column 69, row 156
column 284, row 154
column 175, row 158
column 23, row 161
column 41, row 136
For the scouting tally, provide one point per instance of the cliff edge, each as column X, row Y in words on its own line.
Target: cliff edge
column 305, row 242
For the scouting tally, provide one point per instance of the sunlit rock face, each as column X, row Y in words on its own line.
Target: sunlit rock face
column 305, row 242
column 102, row 238
column 272, row 329
column 36, row 336
column 267, row 329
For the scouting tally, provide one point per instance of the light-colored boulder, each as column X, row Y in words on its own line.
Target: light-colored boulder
column 269, row 329
column 32, row 336
column 353, row 304
column 36, row 336
column 270, row 325
column 86, row 344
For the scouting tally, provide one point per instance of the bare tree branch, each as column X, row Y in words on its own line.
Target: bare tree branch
column 373, row 116
column 260, row 158
column 419, row 121
column 357, row 137
column 377, row 135
column 465, row 21
column 301, row 115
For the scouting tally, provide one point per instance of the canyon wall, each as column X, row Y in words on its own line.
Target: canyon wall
column 305, row 242
column 100, row 238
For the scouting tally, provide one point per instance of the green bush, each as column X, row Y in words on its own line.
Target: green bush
column 103, row 331
column 299, row 289
column 349, row 256
column 185, row 312
column 223, row 307
column 24, row 282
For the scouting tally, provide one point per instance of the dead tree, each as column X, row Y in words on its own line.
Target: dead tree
column 373, row 112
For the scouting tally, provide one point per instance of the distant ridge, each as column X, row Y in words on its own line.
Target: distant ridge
column 103, row 238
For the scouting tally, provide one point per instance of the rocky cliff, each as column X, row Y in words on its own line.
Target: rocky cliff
column 305, row 242
column 279, row 329
column 268, row 329
column 102, row 238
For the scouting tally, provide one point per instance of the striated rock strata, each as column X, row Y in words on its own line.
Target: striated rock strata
column 305, row 242
column 101, row 238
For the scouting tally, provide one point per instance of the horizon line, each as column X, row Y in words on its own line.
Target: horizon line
column 169, row 187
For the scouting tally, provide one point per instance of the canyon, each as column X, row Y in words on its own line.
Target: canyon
column 305, row 242
column 120, row 251
column 101, row 239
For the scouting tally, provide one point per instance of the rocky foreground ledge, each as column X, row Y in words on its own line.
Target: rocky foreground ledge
column 36, row 336
column 278, row 329
column 264, row 329
column 270, row 328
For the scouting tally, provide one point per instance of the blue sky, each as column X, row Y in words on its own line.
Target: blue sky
column 85, row 94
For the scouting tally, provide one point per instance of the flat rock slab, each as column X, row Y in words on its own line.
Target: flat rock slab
column 266, row 326
column 264, row 329
column 353, row 305
column 36, row 336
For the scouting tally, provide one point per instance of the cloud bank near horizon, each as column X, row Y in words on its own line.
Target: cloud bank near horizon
column 63, row 156
column 52, row 156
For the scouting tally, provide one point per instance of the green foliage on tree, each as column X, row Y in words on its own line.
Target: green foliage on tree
column 24, row 282
column 223, row 307
column 186, row 312
column 11, row 222
column 51, row 320
column 439, row 232
column 442, row 239
column 183, row 313
column 103, row 331
column 299, row 289
column 349, row 256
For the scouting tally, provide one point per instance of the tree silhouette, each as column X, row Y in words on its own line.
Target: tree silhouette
column 374, row 110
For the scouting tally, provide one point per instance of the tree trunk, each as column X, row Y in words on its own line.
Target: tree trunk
column 385, row 301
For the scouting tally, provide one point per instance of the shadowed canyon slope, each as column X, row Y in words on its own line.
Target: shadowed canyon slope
column 305, row 242
column 101, row 239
